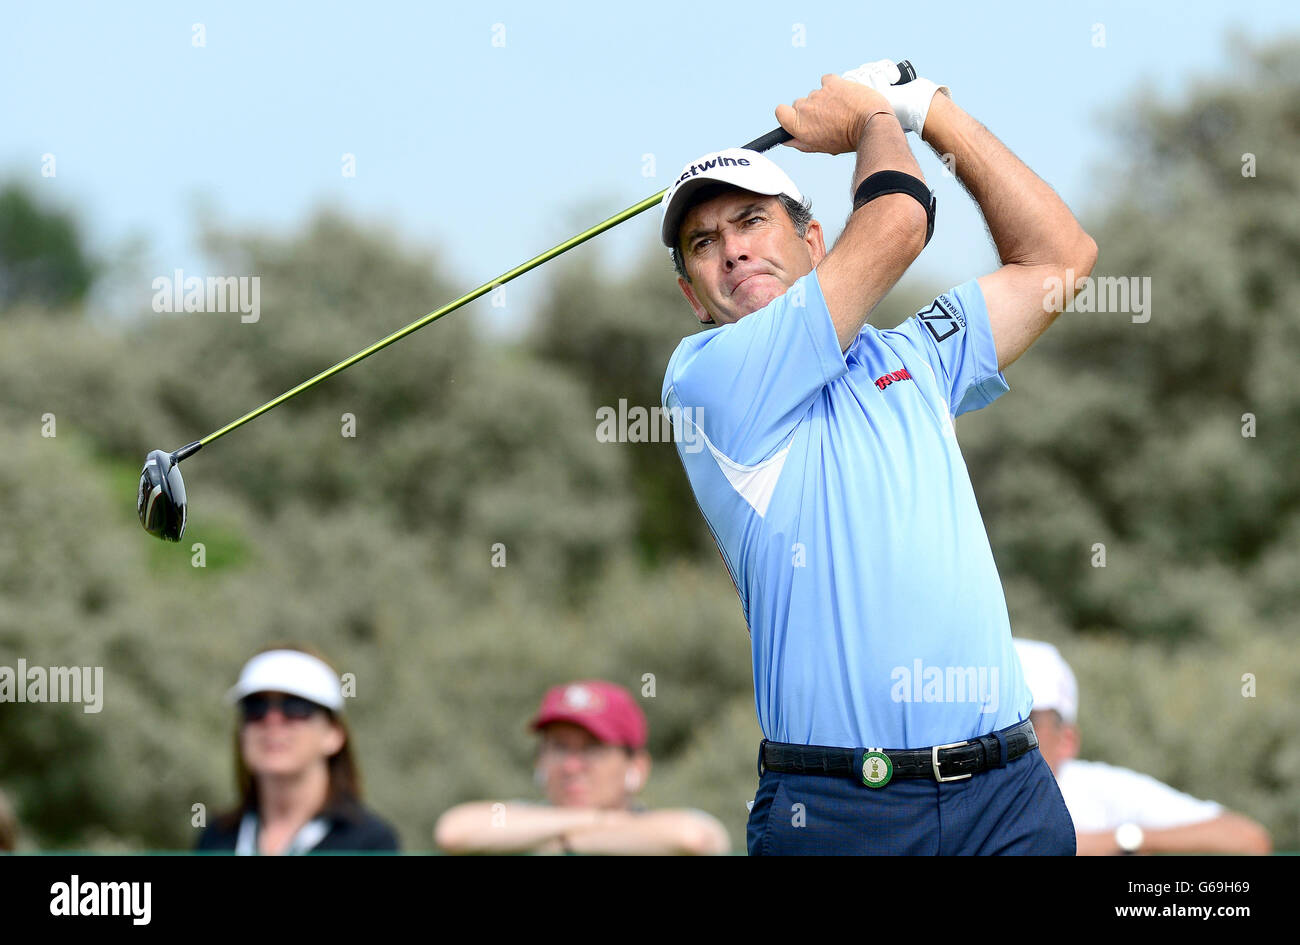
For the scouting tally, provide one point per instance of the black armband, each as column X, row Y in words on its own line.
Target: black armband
column 896, row 182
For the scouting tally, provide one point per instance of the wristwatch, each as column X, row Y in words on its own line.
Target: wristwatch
column 1129, row 838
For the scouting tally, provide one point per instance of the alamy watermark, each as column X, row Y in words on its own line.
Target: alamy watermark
column 23, row 683
column 1127, row 294
column 86, row 898
column 638, row 424
column 181, row 293
column 921, row 683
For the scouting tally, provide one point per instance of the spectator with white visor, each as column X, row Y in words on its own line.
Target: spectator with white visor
column 298, row 782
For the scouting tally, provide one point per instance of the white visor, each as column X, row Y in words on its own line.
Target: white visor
column 291, row 672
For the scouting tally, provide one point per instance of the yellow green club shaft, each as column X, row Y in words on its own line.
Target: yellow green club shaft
column 419, row 323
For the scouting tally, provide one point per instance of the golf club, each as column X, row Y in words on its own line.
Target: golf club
column 161, row 502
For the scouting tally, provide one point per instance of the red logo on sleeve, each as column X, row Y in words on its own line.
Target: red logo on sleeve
column 886, row 380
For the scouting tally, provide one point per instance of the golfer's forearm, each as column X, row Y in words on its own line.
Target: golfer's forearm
column 1029, row 223
column 883, row 147
column 880, row 240
column 505, row 828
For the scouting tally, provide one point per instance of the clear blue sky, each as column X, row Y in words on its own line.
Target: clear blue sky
column 493, row 153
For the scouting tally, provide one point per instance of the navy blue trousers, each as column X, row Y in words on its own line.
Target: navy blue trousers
column 1013, row 810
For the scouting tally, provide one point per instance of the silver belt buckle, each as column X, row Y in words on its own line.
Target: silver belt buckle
column 934, row 761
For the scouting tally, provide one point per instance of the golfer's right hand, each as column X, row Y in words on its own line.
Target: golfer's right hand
column 830, row 120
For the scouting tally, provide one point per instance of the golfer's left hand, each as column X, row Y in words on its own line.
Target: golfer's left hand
column 910, row 102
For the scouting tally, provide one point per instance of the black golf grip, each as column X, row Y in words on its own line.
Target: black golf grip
column 781, row 136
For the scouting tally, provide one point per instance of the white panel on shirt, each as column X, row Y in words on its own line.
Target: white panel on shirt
column 755, row 484
column 1101, row 797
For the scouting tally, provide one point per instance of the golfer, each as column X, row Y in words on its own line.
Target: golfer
column 886, row 683
column 299, row 786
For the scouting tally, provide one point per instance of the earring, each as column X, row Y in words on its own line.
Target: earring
column 632, row 782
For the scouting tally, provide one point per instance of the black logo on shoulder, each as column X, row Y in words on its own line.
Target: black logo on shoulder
column 942, row 319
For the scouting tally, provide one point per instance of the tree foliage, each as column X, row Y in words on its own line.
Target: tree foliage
column 42, row 259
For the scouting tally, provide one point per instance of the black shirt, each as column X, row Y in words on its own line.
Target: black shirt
column 353, row 827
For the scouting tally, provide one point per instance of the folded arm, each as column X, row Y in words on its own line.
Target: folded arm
column 1227, row 833
column 487, row 827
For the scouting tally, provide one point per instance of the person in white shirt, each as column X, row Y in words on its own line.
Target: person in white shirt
column 1116, row 810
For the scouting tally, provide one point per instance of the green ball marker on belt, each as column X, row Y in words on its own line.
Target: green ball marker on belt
column 877, row 769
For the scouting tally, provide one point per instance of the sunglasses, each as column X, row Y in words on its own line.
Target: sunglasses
column 256, row 707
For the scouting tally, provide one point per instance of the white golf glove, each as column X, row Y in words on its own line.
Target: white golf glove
column 910, row 102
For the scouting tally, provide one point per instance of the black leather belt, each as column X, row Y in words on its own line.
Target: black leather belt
column 876, row 767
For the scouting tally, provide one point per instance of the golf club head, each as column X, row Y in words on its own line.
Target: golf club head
column 161, row 502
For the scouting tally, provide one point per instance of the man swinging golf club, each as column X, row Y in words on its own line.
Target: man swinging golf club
column 887, row 687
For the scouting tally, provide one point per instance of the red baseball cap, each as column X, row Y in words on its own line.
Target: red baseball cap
column 607, row 711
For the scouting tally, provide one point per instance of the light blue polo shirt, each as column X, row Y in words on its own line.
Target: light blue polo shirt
column 840, row 501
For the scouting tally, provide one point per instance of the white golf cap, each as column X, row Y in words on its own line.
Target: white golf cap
column 1049, row 678
column 748, row 170
column 292, row 672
